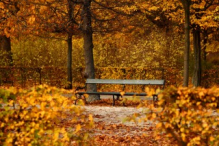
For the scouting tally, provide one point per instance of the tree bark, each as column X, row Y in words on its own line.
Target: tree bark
column 69, row 62
column 5, row 46
column 186, row 5
column 69, row 41
column 205, row 34
column 88, row 47
column 197, row 57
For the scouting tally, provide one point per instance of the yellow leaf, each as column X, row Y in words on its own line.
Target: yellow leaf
column 157, row 18
column 213, row 98
column 56, row 135
column 11, row 102
column 158, row 91
column 122, row 93
column 198, row 103
column 9, row 140
column 2, row 5
column 147, row 90
column 144, row 135
column 212, row 138
column 78, row 128
column 159, row 125
column 204, row 125
column 201, row 94
column 153, row 8
column 42, row 113
column 90, row 117
column 2, row 124
column 6, row 119
column 183, row 136
column 32, row 131
column 154, row 115
column 177, row 112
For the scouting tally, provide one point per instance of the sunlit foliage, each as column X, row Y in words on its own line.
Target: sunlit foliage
column 37, row 115
column 188, row 115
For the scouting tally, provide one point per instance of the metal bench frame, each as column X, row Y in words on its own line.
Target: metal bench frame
column 119, row 82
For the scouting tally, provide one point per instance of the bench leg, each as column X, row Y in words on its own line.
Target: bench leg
column 113, row 100
column 118, row 96
column 155, row 99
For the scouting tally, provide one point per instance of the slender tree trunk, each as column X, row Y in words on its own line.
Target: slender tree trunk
column 197, row 57
column 69, row 41
column 69, row 62
column 186, row 5
column 205, row 45
column 5, row 46
column 88, row 47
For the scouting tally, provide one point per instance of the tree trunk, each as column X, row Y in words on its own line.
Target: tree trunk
column 197, row 57
column 69, row 41
column 205, row 45
column 69, row 62
column 88, row 48
column 186, row 5
column 5, row 46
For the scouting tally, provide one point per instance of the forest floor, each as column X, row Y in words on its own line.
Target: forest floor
column 112, row 127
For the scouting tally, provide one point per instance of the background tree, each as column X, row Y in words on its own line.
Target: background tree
column 5, row 49
column 186, row 6
column 45, row 19
column 8, row 13
column 63, row 15
column 203, row 12
column 88, row 46
column 199, row 12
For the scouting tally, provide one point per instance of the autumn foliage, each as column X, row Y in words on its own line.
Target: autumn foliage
column 37, row 115
column 58, row 42
column 188, row 115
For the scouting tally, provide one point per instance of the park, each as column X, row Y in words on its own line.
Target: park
column 108, row 72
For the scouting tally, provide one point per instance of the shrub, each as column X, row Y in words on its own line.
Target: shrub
column 188, row 115
column 41, row 116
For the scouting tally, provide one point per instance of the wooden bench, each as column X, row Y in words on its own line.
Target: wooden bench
column 119, row 82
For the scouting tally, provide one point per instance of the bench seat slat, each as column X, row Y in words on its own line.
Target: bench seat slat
column 113, row 93
column 125, row 82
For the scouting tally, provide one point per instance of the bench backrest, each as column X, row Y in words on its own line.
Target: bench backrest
column 125, row 82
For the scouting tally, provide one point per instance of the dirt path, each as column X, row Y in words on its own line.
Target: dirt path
column 114, row 117
column 111, row 130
